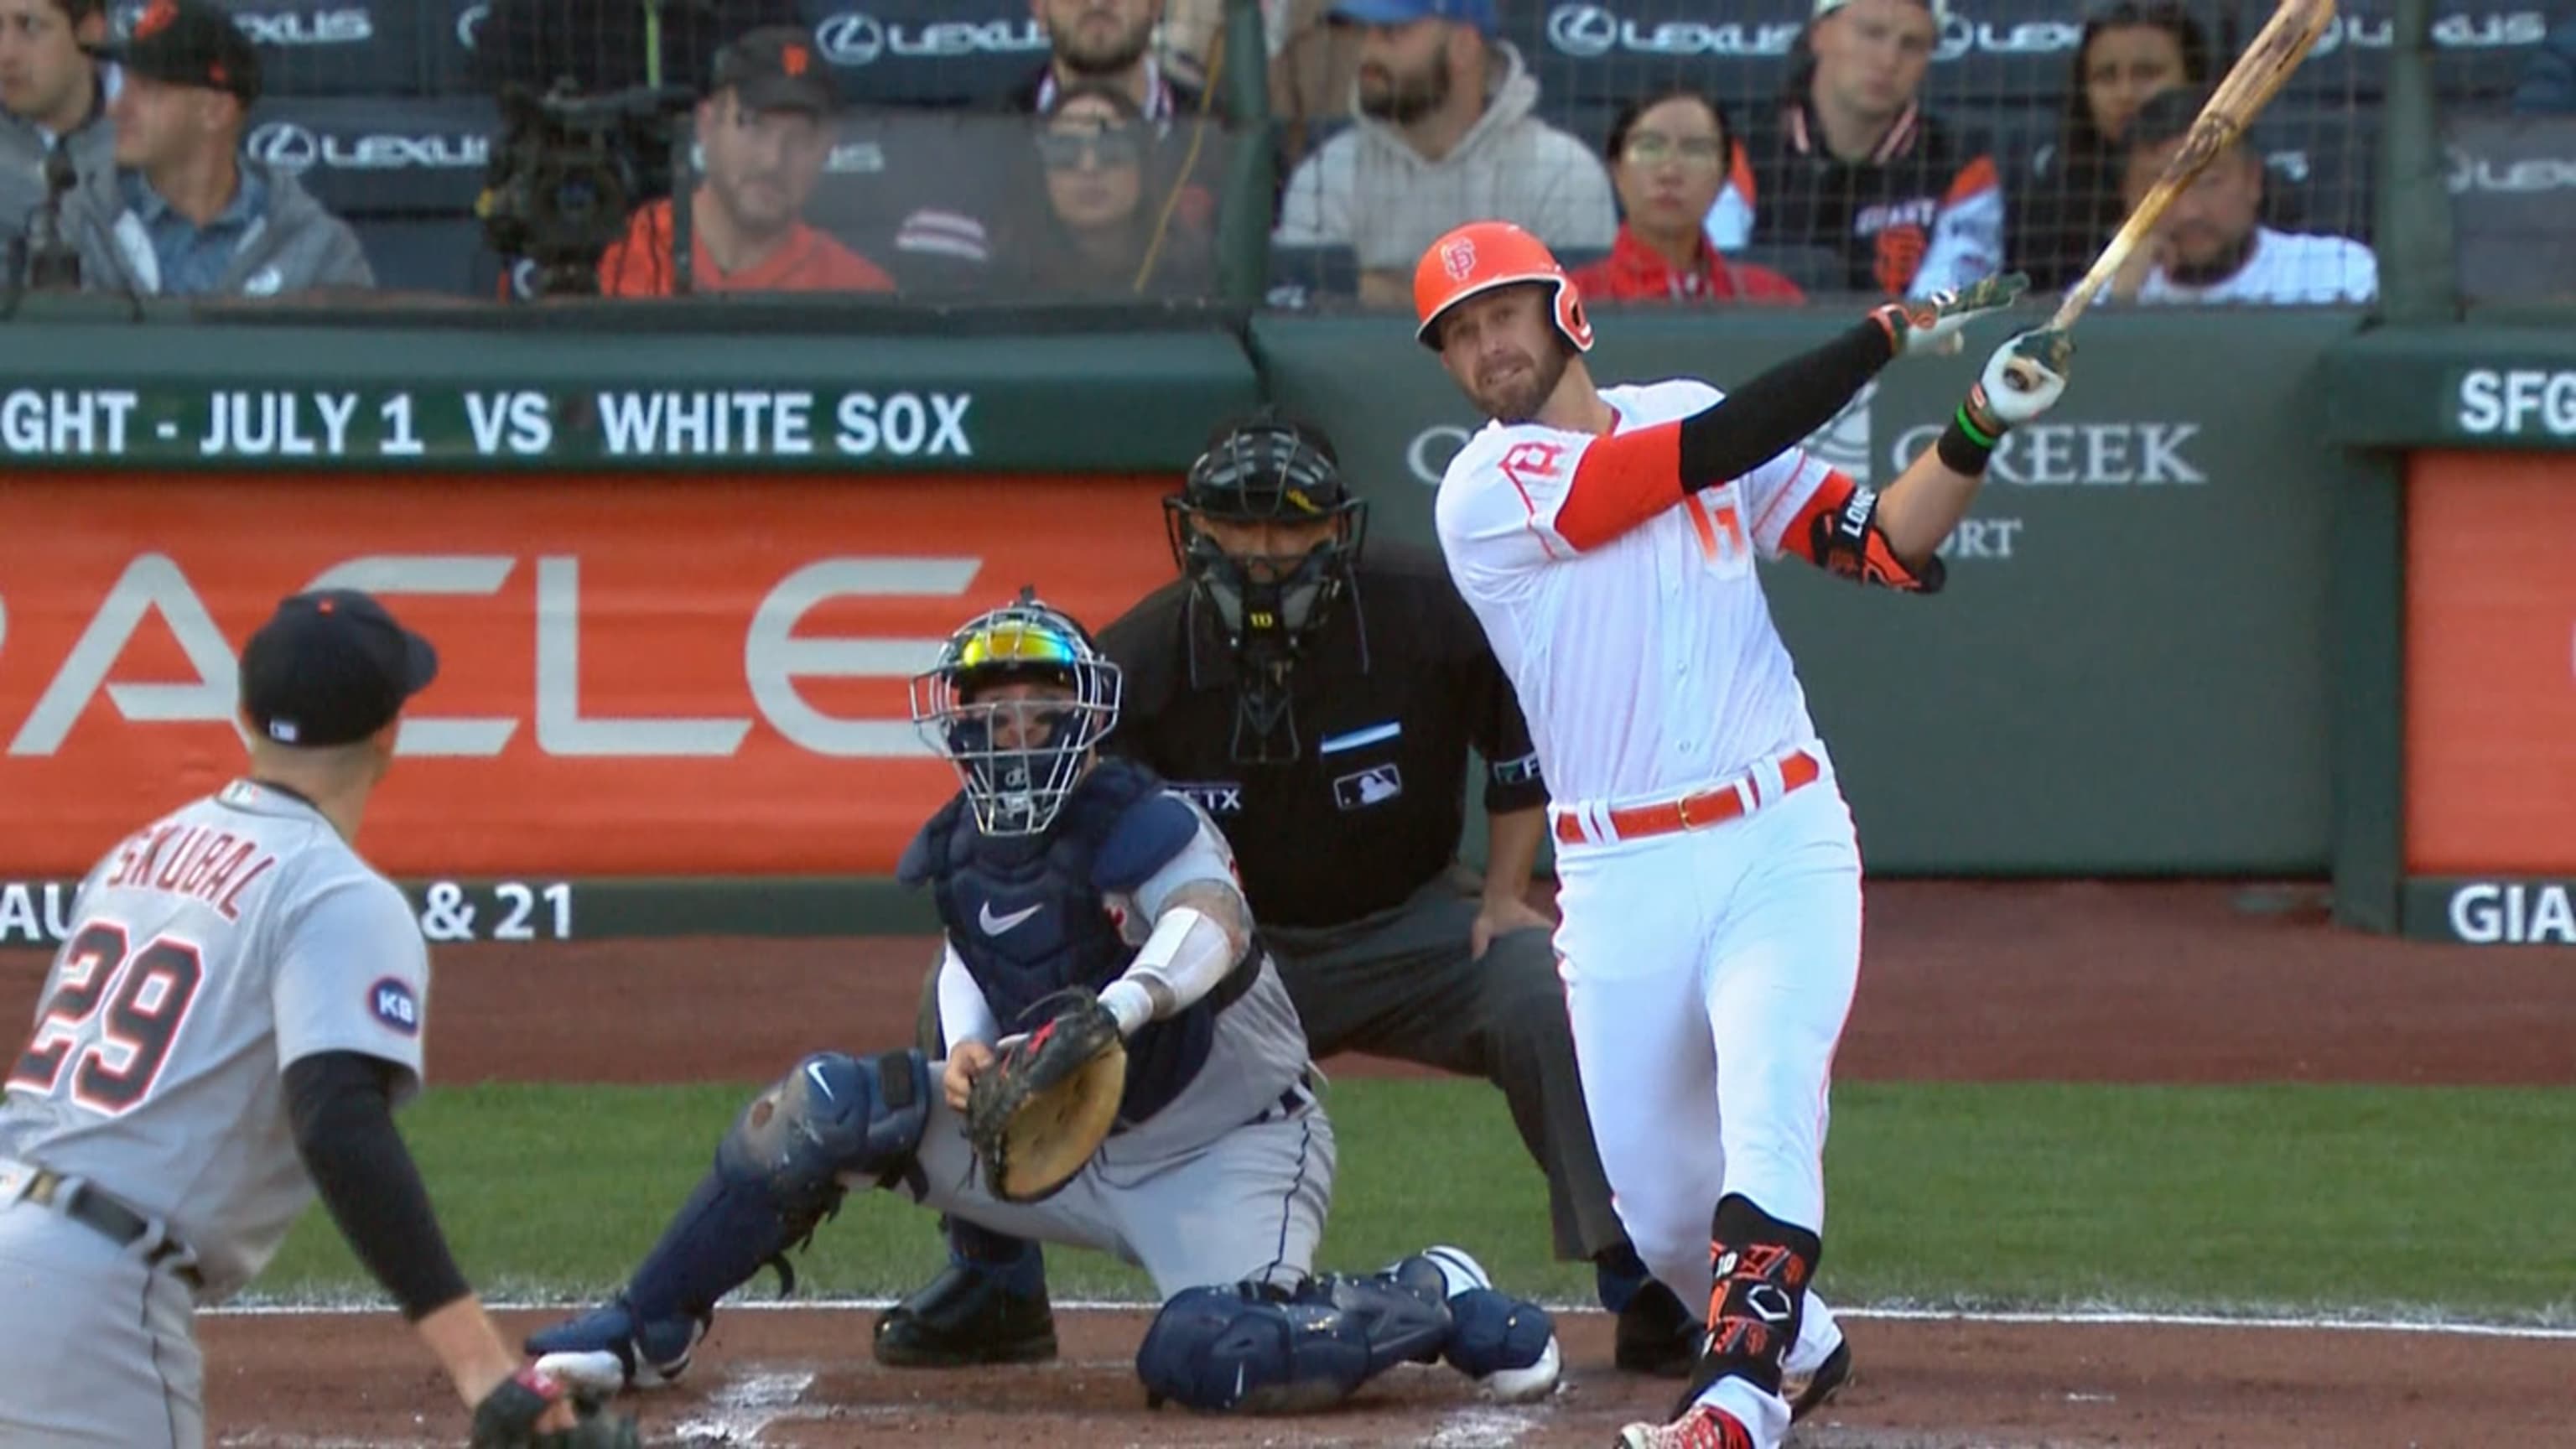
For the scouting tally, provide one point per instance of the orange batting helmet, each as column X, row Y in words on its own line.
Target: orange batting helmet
column 1481, row 256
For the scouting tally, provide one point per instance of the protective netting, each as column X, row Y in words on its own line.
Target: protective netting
column 392, row 114
column 1895, row 145
column 1821, row 149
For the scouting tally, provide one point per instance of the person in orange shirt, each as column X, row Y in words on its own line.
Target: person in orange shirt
column 765, row 130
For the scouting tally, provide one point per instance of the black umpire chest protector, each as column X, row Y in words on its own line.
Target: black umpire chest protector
column 1028, row 915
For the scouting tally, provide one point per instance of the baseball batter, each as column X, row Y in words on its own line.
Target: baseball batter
column 1054, row 868
column 239, row 1006
column 1710, row 876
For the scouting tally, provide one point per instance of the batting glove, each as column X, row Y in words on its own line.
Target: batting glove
column 1930, row 327
column 2025, row 378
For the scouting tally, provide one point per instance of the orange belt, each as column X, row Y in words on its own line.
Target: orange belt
column 1693, row 812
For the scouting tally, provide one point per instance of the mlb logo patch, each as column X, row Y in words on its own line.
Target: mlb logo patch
column 1373, row 786
column 394, row 1007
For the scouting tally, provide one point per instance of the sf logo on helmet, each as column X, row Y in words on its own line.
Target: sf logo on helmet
column 1459, row 257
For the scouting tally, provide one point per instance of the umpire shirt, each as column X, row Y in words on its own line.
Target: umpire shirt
column 1371, row 809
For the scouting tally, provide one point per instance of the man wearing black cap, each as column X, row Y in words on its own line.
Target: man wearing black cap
column 239, row 1006
column 765, row 130
column 183, row 212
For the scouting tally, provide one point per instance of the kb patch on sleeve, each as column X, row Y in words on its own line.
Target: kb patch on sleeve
column 395, row 1006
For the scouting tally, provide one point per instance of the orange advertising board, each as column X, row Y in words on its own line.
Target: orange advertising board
column 2490, row 664
column 640, row 675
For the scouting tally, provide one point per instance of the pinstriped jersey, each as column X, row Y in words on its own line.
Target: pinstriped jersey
column 208, row 952
column 1648, row 664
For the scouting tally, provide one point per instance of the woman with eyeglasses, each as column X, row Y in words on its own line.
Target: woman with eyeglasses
column 2068, row 203
column 1670, row 155
column 1112, row 221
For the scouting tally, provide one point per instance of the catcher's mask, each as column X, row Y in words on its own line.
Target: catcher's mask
column 1018, row 752
column 1267, row 483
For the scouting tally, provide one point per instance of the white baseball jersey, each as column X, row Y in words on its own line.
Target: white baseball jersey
column 1646, row 664
column 2286, row 268
column 208, row 952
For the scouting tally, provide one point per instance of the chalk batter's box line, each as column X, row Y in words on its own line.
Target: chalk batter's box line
column 2100, row 1317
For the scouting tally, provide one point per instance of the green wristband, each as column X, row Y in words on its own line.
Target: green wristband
column 1977, row 435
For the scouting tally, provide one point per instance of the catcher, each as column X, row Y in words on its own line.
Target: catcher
column 1124, row 1072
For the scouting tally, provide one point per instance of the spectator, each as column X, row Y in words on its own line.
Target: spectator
column 1443, row 133
column 2549, row 77
column 183, row 212
column 1105, row 42
column 765, row 130
column 52, row 90
column 2067, row 203
column 2212, row 246
column 950, row 242
column 1855, row 166
column 1669, row 155
column 1107, row 228
column 599, row 44
column 1313, row 63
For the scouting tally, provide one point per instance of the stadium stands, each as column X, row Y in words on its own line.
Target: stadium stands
column 373, row 103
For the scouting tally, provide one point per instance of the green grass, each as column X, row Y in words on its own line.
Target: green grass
column 2451, row 1202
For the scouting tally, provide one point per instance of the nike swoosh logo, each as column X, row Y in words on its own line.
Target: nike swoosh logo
column 995, row 925
column 824, row 1087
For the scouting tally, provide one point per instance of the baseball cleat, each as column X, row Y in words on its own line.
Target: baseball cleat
column 1703, row 1426
column 1657, row 1336
column 962, row 1318
column 1809, row 1392
column 1506, row 1344
column 605, row 1351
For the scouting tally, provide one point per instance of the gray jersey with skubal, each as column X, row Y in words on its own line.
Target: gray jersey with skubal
column 1229, row 1181
column 210, row 951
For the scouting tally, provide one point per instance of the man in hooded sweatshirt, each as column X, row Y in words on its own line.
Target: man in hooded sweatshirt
column 1442, row 134
column 183, row 212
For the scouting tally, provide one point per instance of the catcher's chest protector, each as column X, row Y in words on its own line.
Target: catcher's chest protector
column 1028, row 918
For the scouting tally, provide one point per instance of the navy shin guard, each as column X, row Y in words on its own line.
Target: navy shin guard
column 777, row 1176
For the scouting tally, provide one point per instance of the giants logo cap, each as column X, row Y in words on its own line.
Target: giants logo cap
column 190, row 43
column 776, row 68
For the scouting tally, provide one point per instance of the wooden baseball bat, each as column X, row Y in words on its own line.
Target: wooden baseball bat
column 2249, row 85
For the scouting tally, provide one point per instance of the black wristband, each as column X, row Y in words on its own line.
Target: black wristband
column 1961, row 451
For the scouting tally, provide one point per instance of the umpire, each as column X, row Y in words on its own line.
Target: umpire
column 1321, row 707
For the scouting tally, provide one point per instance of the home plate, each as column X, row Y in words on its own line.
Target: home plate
column 736, row 1412
column 1481, row 1428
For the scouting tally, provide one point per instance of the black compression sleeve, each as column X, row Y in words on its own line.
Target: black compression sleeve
column 342, row 1109
column 1777, row 410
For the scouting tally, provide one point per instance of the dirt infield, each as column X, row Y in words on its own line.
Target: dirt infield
column 803, row 1379
column 2164, row 982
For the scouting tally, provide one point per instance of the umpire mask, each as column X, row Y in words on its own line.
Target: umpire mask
column 1018, row 753
column 1267, row 534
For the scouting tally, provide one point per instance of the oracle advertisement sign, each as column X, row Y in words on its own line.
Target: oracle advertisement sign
column 641, row 676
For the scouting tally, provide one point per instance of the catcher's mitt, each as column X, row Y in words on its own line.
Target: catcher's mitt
column 1044, row 1106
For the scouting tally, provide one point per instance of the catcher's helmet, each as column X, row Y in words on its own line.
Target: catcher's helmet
column 1267, row 468
column 1481, row 256
column 1018, row 759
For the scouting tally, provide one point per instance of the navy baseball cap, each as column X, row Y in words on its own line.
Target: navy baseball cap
column 1478, row 13
column 331, row 668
